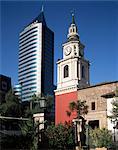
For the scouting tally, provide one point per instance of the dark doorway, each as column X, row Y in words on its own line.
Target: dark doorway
column 94, row 124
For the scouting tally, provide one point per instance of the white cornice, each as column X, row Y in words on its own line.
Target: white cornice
column 66, row 90
column 72, row 57
column 66, row 43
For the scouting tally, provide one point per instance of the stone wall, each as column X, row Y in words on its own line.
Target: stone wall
column 93, row 94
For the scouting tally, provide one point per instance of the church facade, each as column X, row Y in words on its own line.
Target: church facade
column 73, row 83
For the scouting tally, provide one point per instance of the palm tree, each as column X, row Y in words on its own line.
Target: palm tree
column 79, row 107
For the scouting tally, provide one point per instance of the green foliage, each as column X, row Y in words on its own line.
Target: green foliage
column 79, row 107
column 11, row 106
column 28, row 129
column 36, row 107
column 115, row 109
column 100, row 138
column 60, row 136
column 115, row 106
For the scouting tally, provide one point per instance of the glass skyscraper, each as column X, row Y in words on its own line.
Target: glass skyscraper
column 36, row 54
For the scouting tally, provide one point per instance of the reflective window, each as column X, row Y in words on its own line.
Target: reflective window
column 27, row 54
column 32, row 67
column 26, row 50
column 32, row 63
column 28, row 31
column 25, row 39
column 27, row 46
column 27, row 73
column 28, row 42
column 27, row 57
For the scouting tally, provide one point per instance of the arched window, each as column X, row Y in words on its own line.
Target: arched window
column 70, row 30
column 66, row 71
column 83, row 72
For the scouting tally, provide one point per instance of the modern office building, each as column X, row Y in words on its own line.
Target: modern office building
column 17, row 90
column 36, row 54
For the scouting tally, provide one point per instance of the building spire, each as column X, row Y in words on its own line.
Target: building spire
column 73, row 18
column 72, row 32
column 42, row 8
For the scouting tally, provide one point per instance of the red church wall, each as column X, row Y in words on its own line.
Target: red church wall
column 62, row 102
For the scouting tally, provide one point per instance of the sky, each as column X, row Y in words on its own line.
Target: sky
column 97, row 23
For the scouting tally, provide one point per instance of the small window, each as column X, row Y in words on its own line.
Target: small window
column 83, row 72
column 93, row 106
column 74, row 47
column 66, row 71
column 70, row 30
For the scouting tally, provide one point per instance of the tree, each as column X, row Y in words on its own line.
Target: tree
column 114, row 115
column 29, row 128
column 100, row 138
column 38, row 104
column 115, row 105
column 115, row 109
column 10, row 110
column 60, row 136
column 79, row 107
column 29, row 135
column 12, row 105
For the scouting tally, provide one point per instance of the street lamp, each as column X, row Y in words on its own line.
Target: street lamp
column 78, row 129
column 39, row 123
column 87, row 135
column 75, row 132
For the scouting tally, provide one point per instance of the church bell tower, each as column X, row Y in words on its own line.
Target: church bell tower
column 72, row 73
column 73, row 69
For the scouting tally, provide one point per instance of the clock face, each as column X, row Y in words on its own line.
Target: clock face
column 68, row 50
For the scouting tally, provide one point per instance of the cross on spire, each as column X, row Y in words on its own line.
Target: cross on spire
column 73, row 17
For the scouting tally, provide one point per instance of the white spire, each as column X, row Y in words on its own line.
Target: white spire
column 72, row 32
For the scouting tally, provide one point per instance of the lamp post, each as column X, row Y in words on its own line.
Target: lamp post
column 87, row 135
column 75, row 132
column 114, row 121
column 39, row 118
column 77, row 128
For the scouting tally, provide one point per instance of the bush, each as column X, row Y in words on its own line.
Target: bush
column 60, row 136
column 100, row 138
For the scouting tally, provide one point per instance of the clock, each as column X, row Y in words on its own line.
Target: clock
column 67, row 50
